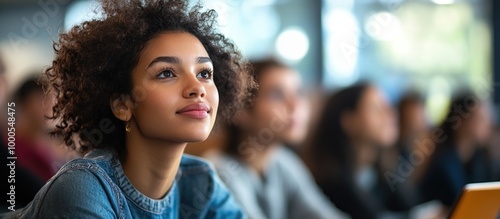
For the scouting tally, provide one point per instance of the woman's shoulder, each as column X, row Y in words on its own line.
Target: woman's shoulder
column 446, row 157
column 80, row 187
column 196, row 165
column 96, row 164
column 290, row 163
column 94, row 170
column 195, row 171
column 81, row 177
column 200, row 185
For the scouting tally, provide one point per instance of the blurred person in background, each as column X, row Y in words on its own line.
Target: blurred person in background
column 356, row 125
column 459, row 158
column 268, row 179
column 26, row 182
column 412, row 128
column 32, row 146
column 3, row 83
column 412, row 122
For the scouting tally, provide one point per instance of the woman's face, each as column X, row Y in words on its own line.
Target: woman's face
column 478, row 124
column 374, row 120
column 175, row 98
column 413, row 120
column 32, row 110
column 279, row 106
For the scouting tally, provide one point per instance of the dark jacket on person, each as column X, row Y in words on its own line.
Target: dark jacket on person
column 373, row 203
column 447, row 174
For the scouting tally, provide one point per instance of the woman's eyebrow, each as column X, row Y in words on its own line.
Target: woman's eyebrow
column 175, row 60
column 167, row 59
column 203, row 60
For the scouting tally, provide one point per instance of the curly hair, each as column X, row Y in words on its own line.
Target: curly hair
column 94, row 61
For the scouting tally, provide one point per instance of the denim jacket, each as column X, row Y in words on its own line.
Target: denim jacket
column 96, row 187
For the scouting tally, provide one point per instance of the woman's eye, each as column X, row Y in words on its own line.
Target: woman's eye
column 166, row 74
column 205, row 74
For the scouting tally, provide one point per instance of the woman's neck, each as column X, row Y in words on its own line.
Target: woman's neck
column 365, row 154
column 259, row 160
column 151, row 165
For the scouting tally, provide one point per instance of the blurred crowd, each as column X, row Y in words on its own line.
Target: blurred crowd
column 299, row 153
column 38, row 156
column 305, row 154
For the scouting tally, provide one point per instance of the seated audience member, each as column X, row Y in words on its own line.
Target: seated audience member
column 268, row 179
column 458, row 158
column 32, row 148
column 412, row 122
column 413, row 128
column 356, row 125
column 26, row 182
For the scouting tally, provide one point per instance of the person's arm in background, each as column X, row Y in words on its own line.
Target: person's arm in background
column 305, row 198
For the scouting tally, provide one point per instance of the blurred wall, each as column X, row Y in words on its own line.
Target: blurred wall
column 27, row 29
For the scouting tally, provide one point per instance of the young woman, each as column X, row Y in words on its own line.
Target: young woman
column 412, row 122
column 267, row 178
column 27, row 184
column 458, row 157
column 32, row 148
column 133, row 88
column 356, row 125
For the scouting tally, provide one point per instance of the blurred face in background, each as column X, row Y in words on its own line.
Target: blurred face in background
column 279, row 106
column 413, row 121
column 373, row 121
column 3, row 87
column 478, row 125
column 3, row 82
column 33, row 110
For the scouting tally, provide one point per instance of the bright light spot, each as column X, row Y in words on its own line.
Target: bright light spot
column 383, row 26
column 341, row 47
column 79, row 12
column 336, row 4
column 443, row 2
column 342, row 22
column 292, row 44
column 438, row 99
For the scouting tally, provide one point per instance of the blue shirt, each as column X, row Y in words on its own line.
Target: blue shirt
column 96, row 187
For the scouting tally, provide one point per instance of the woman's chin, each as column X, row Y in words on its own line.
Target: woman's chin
column 196, row 138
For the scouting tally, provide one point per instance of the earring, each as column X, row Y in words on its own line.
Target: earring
column 127, row 127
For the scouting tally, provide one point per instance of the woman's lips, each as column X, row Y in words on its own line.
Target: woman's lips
column 195, row 111
column 195, row 114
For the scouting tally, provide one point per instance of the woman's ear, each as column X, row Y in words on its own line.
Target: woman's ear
column 122, row 106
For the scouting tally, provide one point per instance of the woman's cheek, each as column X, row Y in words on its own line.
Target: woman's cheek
column 213, row 97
